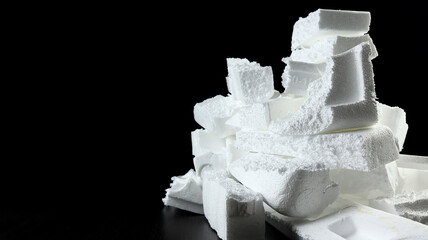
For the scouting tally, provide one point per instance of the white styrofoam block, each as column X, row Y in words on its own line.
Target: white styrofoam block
column 185, row 192
column 395, row 119
column 323, row 23
column 382, row 181
column 204, row 142
column 325, row 48
column 342, row 97
column 232, row 210
column 258, row 116
column 363, row 149
column 348, row 220
column 291, row 186
column 232, row 152
column 412, row 205
column 414, row 173
column 248, row 81
column 213, row 113
column 216, row 161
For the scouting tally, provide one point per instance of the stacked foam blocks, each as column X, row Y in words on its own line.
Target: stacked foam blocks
column 323, row 145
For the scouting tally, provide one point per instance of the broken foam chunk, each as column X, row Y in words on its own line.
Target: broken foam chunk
column 185, row 193
column 248, row 81
column 291, row 186
column 382, row 181
column 342, row 98
column 395, row 119
column 324, row 23
column 363, row 149
column 325, row 48
column 203, row 142
column 214, row 112
column 232, row 210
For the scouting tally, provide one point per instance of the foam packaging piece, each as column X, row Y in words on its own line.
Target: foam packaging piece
column 323, row 23
column 213, row 113
column 204, row 142
column 248, row 81
column 340, row 94
column 413, row 172
column 413, row 205
column 293, row 187
column 363, row 149
column 395, row 119
column 325, row 48
column 382, row 181
column 348, row 220
column 258, row 116
column 185, row 192
column 232, row 210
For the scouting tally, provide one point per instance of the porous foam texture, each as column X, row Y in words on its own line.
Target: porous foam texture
column 413, row 205
column 395, row 119
column 248, row 81
column 185, row 192
column 232, row 210
column 258, row 116
column 291, row 186
column 363, row 149
column 213, row 113
column 340, row 94
column 323, row 23
column 383, row 181
column 348, row 220
column 327, row 47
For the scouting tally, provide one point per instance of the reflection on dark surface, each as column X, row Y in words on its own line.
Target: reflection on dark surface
column 176, row 224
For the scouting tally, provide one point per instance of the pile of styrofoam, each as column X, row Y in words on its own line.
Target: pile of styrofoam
column 301, row 157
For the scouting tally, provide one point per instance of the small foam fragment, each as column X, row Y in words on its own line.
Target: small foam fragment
column 291, row 186
column 213, row 113
column 363, row 149
column 232, row 210
column 248, row 81
column 185, row 192
column 340, row 94
column 324, row 23
column 204, row 142
column 395, row 119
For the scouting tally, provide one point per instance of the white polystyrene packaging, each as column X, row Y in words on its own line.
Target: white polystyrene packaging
column 204, row 142
column 213, row 113
column 248, row 81
column 324, row 23
column 185, row 192
column 395, row 119
column 348, row 220
column 382, row 181
column 364, row 149
column 294, row 187
column 340, row 94
column 232, row 210
column 258, row 116
column 327, row 47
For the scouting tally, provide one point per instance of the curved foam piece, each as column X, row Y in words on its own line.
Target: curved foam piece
column 363, row 149
column 395, row 119
column 293, row 187
column 204, row 142
column 342, row 97
column 324, row 22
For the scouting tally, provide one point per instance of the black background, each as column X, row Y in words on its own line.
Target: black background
column 102, row 106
